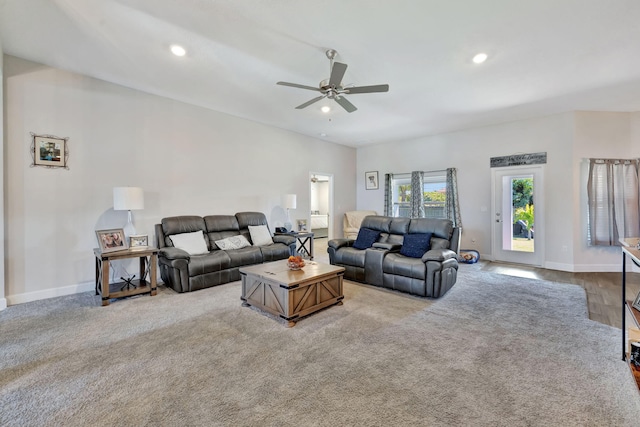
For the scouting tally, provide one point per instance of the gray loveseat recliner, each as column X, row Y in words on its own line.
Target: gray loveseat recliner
column 184, row 272
column 383, row 264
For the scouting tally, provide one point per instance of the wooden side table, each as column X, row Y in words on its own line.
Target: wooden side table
column 148, row 264
column 304, row 243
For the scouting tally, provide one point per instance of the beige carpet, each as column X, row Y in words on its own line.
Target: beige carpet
column 495, row 351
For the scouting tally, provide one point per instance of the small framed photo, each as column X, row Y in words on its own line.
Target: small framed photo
column 111, row 240
column 371, row 180
column 50, row 151
column 636, row 302
column 138, row 241
column 302, row 225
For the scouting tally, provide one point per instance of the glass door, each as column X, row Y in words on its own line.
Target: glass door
column 518, row 215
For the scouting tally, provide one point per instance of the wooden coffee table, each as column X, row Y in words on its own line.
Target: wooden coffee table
column 291, row 294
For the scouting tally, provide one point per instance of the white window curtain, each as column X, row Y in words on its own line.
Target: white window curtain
column 614, row 201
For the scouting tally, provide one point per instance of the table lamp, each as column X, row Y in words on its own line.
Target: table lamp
column 289, row 203
column 128, row 199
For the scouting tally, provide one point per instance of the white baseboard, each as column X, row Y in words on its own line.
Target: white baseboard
column 3, row 303
column 49, row 293
column 560, row 266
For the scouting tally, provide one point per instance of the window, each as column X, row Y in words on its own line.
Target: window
column 434, row 191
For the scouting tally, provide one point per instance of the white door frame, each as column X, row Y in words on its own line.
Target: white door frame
column 330, row 209
column 535, row 258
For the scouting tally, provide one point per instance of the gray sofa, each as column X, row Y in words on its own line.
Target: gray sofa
column 185, row 273
column 428, row 274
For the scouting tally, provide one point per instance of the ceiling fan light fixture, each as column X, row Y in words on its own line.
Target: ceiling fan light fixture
column 178, row 50
column 325, row 109
column 480, row 58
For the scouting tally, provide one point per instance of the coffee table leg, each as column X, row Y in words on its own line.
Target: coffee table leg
column 291, row 324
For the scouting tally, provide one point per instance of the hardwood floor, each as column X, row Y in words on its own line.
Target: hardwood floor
column 604, row 299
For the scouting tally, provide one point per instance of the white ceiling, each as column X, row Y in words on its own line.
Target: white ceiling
column 545, row 57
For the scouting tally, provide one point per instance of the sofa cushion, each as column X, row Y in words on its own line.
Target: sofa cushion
column 192, row 243
column 366, row 238
column 395, row 263
column 274, row 252
column 415, row 245
column 209, row 263
column 234, row 242
column 260, row 235
column 180, row 224
column 350, row 256
column 245, row 256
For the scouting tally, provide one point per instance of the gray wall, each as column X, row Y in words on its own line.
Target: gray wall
column 188, row 160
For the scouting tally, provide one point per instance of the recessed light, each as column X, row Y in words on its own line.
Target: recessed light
column 178, row 50
column 325, row 109
column 480, row 58
column 322, row 134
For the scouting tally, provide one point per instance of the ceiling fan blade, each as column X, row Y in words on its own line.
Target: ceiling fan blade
column 337, row 73
column 298, row 86
column 367, row 89
column 306, row 104
column 345, row 104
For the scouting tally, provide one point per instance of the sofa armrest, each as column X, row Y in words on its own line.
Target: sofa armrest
column 284, row 238
column 340, row 243
column 174, row 253
column 391, row 247
column 438, row 255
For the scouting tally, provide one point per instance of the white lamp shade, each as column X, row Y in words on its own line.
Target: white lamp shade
column 128, row 198
column 290, row 201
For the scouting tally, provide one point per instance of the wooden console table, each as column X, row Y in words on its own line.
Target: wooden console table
column 148, row 265
column 629, row 249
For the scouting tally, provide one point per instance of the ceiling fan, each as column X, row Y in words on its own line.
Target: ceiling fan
column 333, row 89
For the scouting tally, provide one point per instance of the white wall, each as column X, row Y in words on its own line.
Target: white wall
column 598, row 135
column 3, row 300
column 567, row 138
column 189, row 160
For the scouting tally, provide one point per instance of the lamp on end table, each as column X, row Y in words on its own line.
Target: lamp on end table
column 289, row 203
column 128, row 199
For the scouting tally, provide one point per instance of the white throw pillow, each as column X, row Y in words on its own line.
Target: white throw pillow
column 260, row 235
column 193, row 243
column 233, row 242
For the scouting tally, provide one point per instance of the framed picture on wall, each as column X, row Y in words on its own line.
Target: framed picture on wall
column 50, row 151
column 371, row 180
column 111, row 240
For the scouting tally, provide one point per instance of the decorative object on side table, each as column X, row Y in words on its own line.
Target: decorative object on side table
column 302, row 225
column 128, row 199
column 371, row 180
column 111, row 240
column 138, row 241
column 49, row 151
column 289, row 203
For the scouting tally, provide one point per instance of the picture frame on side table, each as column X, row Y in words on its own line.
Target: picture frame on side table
column 49, row 151
column 302, row 225
column 138, row 241
column 371, row 180
column 111, row 240
column 636, row 302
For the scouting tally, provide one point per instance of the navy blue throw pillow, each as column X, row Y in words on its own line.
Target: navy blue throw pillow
column 415, row 245
column 366, row 238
